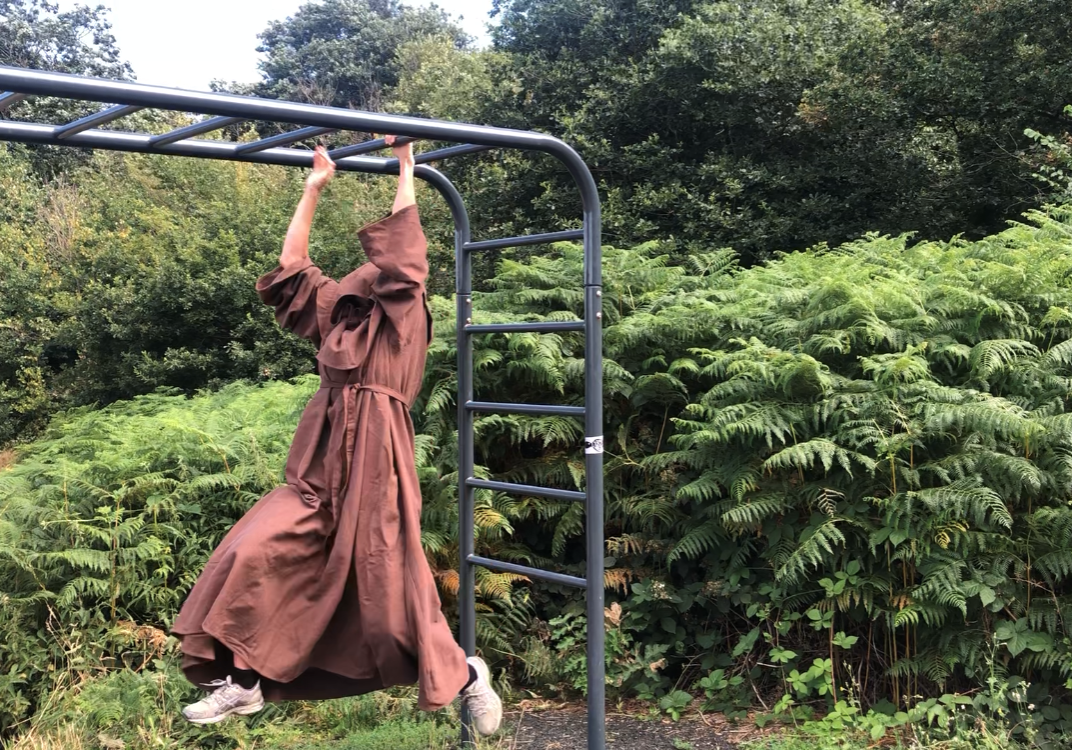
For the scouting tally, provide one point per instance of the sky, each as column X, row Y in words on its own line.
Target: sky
column 193, row 42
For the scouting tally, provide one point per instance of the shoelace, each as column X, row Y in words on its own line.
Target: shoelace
column 217, row 683
column 221, row 693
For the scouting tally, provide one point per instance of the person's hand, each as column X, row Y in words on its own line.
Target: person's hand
column 323, row 170
column 403, row 151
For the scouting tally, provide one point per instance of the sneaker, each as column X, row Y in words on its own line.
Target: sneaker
column 227, row 698
column 485, row 707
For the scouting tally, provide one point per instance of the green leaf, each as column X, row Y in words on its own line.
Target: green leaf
column 747, row 641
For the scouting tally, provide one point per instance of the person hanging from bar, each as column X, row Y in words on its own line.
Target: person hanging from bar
column 322, row 589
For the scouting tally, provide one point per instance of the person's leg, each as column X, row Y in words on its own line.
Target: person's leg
column 244, row 674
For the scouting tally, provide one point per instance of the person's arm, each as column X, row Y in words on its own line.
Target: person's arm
column 296, row 245
column 406, row 195
column 396, row 244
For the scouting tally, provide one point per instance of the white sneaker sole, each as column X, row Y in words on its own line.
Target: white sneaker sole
column 237, row 711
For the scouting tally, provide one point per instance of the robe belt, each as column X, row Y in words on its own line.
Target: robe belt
column 350, row 386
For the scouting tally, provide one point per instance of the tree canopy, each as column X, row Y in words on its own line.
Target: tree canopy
column 342, row 52
column 36, row 34
column 778, row 124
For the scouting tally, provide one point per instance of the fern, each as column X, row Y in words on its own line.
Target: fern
column 879, row 432
column 816, row 546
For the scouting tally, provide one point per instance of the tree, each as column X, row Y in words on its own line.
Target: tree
column 1055, row 163
column 981, row 74
column 689, row 113
column 35, row 34
column 137, row 272
column 438, row 79
column 342, row 52
column 777, row 124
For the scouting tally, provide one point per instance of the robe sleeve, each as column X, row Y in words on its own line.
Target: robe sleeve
column 396, row 245
column 294, row 292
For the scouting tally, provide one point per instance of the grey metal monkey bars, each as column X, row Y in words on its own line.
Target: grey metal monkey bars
column 125, row 98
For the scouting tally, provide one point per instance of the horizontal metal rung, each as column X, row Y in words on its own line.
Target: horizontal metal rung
column 446, row 153
column 283, row 139
column 524, row 570
column 542, row 327
column 198, row 128
column 368, row 147
column 548, row 409
column 531, row 239
column 116, row 140
column 526, row 489
column 10, row 97
column 92, row 121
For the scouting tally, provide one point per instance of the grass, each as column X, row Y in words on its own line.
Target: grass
column 963, row 738
column 377, row 723
column 125, row 710
column 68, row 737
column 795, row 741
column 396, row 735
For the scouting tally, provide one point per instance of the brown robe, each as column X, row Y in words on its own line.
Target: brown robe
column 323, row 587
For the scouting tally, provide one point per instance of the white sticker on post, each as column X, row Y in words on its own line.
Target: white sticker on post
column 593, row 445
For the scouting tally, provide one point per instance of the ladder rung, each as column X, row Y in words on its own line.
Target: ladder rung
column 8, row 98
column 524, row 570
column 283, row 139
column 532, row 239
column 502, row 408
column 449, row 151
column 198, row 128
column 366, row 147
column 543, row 327
column 92, row 121
column 526, row 489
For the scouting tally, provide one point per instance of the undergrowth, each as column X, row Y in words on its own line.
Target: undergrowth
column 838, row 484
column 128, row 709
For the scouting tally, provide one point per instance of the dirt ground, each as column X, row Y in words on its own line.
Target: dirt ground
column 566, row 729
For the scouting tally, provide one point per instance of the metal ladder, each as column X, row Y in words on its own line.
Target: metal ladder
column 591, row 412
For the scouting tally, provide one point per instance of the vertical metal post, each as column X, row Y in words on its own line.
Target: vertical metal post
column 466, row 450
column 593, row 430
column 463, row 287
